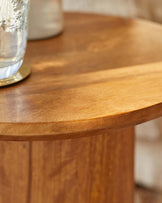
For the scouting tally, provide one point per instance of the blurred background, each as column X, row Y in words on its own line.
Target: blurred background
column 148, row 155
column 148, row 9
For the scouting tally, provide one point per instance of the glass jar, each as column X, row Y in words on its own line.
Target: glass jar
column 13, row 36
column 45, row 19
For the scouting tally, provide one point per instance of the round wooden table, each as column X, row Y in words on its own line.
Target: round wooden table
column 67, row 132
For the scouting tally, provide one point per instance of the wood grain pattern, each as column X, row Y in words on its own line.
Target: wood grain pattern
column 93, row 169
column 103, row 72
column 14, row 172
column 102, row 75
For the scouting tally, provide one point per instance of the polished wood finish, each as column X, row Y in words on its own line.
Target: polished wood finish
column 103, row 72
column 76, row 112
column 93, row 169
column 14, row 172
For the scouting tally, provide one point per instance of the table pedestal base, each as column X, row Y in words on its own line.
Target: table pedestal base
column 92, row 169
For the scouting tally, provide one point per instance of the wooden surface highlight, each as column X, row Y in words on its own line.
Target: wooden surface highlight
column 103, row 72
column 93, row 169
column 93, row 82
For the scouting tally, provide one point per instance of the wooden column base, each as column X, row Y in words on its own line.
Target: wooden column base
column 92, row 169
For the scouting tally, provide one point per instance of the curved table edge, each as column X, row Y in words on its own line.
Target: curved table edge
column 74, row 129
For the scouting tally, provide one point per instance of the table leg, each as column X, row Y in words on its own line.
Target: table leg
column 14, row 172
column 93, row 169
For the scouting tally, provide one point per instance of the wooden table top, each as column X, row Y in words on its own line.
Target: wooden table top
column 102, row 72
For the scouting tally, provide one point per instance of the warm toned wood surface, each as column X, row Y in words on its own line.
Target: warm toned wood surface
column 14, row 172
column 103, row 72
column 92, row 169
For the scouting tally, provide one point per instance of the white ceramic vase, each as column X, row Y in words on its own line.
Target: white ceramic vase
column 45, row 19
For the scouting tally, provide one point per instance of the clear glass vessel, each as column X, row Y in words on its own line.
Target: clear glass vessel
column 13, row 35
column 45, row 19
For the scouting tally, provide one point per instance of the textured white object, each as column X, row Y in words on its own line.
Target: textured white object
column 45, row 18
column 12, row 13
column 6, row 10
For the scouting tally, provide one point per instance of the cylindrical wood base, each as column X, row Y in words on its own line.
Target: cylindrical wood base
column 92, row 169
